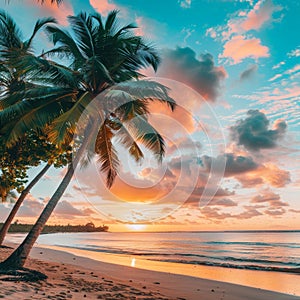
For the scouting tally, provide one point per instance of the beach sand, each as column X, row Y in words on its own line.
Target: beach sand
column 74, row 277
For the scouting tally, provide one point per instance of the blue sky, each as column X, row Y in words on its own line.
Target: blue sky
column 240, row 56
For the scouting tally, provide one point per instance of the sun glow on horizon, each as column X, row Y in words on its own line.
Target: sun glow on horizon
column 136, row 227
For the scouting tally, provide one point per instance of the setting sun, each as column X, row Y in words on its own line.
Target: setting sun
column 136, row 227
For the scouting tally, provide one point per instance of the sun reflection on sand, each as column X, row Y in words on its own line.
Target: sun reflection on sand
column 133, row 262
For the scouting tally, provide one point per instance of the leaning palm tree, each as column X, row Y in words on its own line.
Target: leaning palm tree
column 14, row 81
column 105, row 60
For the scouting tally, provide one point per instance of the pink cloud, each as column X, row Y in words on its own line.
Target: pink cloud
column 239, row 48
column 253, row 20
column 149, row 28
column 60, row 13
column 265, row 174
column 102, row 6
column 259, row 15
column 270, row 198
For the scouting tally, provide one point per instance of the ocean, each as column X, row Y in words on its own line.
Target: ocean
column 255, row 250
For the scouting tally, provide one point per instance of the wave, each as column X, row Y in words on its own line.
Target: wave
column 245, row 267
column 186, row 258
column 288, row 245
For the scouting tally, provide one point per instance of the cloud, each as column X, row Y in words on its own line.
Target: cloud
column 275, row 77
column 150, row 29
column 66, row 208
column 30, row 208
column 295, row 69
column 241, row 47
column 233, row 164
column 237, row 34
column 294, row 53
column 212, row 32
column 249, row 213
column 265, row 173
column 254, row 134
column 60, row 13
column 273, row 175
column 4, row 211
column 185, row 3
column 247, row 171
column 259, row 15
column 253, row 20
column 270, row 198
column 102, row 6
column 248, row 73
column 278, row 65
column 275, row 212
column 222, row 202
column 214, row 213
column 200, row 74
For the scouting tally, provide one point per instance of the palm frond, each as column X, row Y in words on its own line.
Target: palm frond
column 82, row 25
column 10, row 34
column 36, row 119
column 110, row 23
column 61, row 36
column 147, row 135
column 32, row 111
column 63, row 127
column 124, row 137
column 130, row 109
column 95, row 73
column 38, row 25
column 146, row 90
column 107, row 153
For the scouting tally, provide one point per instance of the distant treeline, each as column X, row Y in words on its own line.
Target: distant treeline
column 89, row 227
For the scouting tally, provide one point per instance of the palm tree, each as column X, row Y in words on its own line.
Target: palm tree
column 103, row 58
column 19, row 202
column 13, row 81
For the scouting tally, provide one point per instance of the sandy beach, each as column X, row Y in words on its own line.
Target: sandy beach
column 74, row 277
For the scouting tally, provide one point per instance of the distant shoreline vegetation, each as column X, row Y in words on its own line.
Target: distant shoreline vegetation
column 89, row 227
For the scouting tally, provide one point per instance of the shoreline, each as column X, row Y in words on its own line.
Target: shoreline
column 285, row 283
column 115, row 281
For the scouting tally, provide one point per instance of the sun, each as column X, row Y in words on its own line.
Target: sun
column 136, row 227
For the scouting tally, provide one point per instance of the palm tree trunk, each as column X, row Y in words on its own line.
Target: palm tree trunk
column 19, row 202
column 17, row 259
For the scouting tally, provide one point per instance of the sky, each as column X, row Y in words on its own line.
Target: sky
column 232, row 144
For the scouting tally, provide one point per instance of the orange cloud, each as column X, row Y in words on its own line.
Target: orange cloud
column 267, row 173
column 239, row 48
column 180, row 117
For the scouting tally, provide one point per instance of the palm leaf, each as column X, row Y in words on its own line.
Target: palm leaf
column 107, row 154
column 38, row 25
column 24, row 115
column 57, row 35
column 10, row 34
column 147, row 135
column 82, row 26
column 126, row 139
column 110, row 24
column 145, row 90
column 63, row 127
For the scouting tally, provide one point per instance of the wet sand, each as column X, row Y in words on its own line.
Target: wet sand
column 74, row 277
